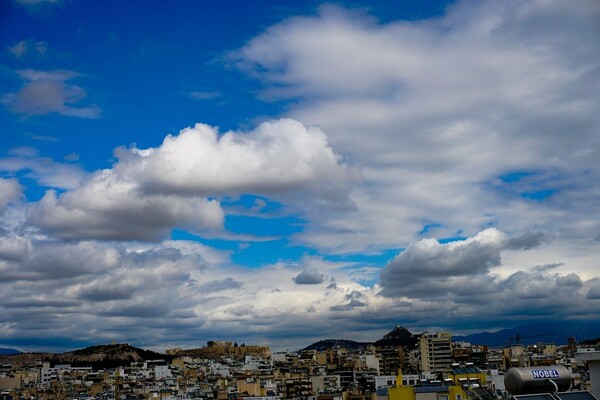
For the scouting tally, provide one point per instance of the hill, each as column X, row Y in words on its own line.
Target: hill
column 327, row 344
column 108, row 355
column 102, row 356
column 399, row 336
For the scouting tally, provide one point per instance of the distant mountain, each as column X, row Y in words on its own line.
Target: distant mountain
column 9, row 351
column 108, row 355
column 557, row 332
column 102, row 356
column 327, row 344
column 399, row 336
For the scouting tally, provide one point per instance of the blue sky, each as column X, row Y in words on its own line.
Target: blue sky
column 279, row 173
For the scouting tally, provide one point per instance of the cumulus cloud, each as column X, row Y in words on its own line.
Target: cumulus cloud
column 484, row 116
column 429, row 263
column 356, row 299
column 526, row 241
column 540, row 285
column 138, row 271
column 169, row 289
column 53, row 261
column 13, row 248
column 594, row 291
column 150, row 191
column 26, row 260
column 309, row 277
column 109, row 210
column 47, row 92
column 220, row 285
column 437, row 112
column 452, row 280
column 44, row 170
column 277, row 156
column 108, row 291
column 10, row 192
column 60, row 287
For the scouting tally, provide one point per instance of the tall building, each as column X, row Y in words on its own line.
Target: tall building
column 436, row 351
column 392, row 360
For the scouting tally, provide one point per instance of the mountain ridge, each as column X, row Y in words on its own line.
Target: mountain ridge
column 557, row 332
column 99, row 356
column 327, row 344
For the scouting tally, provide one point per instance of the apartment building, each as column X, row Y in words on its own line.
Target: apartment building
column 436, row 351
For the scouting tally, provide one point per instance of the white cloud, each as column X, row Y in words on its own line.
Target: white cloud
column 594, row 291
column 13, row 248
column 309, row 277
column 10, row 192
column 427, row 266
column 429, row 259
column 28, row 47
column 101, row 290
column 44, row 170
column 109, row 290
column 148, row 192
column 456, row 278
column 450, row 121
column 48, row 92
column 276, row 157
column 436, row 111
column 220, row 285
column 114, row 210
column 60, row 286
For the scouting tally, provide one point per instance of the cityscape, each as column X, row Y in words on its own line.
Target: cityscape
column 399, row 366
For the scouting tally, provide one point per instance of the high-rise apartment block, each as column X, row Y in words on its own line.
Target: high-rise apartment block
column 436, row 351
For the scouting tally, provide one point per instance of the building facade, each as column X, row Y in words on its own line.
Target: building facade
column 436, row 351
